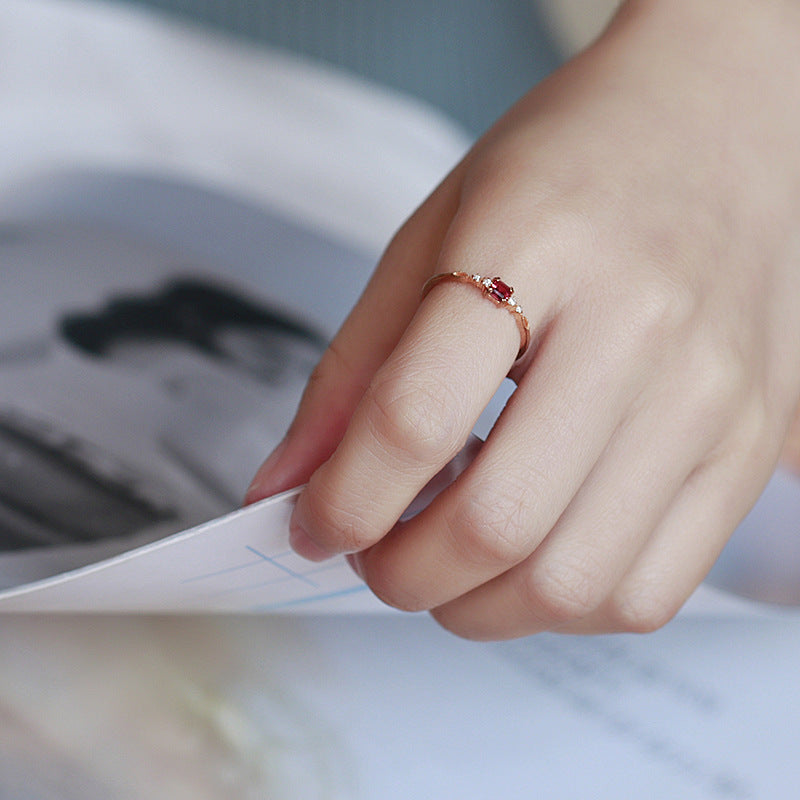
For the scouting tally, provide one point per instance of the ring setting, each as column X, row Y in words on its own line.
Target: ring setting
column 498, row 291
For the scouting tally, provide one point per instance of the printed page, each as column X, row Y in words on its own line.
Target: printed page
column 238, row 563
column 141, row 385
column 701, row 710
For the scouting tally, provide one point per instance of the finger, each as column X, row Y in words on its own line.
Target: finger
column 416, row 415
column 790, row 456
column 547, row 441
column 428, row 394
column 595, row 541
column 369, row 334
column 686, row 544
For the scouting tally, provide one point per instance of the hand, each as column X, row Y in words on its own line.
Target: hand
column 645, row 204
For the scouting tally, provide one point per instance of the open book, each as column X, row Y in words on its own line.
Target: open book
column 144, row 375
column 154, row 341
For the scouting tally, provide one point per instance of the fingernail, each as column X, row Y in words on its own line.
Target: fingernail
column 304, row 545
column 266, row 481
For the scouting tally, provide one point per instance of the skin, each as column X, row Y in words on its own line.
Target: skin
column 644, row 202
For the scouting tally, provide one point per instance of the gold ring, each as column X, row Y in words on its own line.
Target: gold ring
column 499, row 292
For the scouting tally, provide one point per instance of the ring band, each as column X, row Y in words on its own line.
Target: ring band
column 499, row 292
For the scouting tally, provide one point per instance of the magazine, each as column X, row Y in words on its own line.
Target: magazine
column 141, row 385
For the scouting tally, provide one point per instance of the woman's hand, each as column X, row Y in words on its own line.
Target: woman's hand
column 645, row 204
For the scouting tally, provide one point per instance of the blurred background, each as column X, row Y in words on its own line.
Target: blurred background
column 470, row 58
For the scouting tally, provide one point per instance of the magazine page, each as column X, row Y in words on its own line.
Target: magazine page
column 140, row 388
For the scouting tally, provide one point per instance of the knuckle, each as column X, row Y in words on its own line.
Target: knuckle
column 570, row 230
column 644, row 317
column 756, row 437
column 718, row 382
column 339, row 522
column 563, row 590
column 660, row 306
column 419, row 421
column 383, row 578
column 642, row 606
column 488, row 528
column 463, row 627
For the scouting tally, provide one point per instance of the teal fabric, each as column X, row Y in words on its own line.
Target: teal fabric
column 470, row 58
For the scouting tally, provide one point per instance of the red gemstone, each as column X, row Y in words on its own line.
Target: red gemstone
column 499, row 290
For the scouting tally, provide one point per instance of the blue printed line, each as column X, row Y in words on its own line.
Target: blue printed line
column 327, row 567
column 221, row 571
column 250, row 586
column 300, row 601
column 282, row 567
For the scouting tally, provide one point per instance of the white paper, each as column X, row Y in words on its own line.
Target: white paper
column 238, row 563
